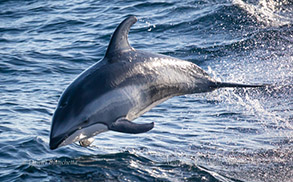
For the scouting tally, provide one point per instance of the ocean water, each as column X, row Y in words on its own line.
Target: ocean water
column 226, row 135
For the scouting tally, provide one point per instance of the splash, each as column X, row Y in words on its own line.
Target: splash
column 269, row 12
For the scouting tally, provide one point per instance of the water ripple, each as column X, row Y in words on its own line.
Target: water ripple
column 226, row 135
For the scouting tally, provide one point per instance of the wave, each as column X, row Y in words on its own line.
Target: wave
column 269, row 12
column 45, row 44
column 122, row 166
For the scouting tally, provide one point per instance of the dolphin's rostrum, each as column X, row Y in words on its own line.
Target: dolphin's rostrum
column 121, row 87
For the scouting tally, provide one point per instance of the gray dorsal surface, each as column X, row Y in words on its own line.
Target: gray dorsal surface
column 125, row 84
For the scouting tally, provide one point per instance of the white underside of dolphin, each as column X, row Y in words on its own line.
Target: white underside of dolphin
column 121, row 87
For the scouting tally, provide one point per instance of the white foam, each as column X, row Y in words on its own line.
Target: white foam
column 268, row 12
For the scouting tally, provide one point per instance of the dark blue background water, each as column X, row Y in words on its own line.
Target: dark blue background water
column 226, row 135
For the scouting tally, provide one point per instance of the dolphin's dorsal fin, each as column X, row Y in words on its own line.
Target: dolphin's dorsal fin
column 119, row 40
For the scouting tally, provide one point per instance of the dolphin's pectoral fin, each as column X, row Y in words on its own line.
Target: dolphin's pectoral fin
column 125, row 126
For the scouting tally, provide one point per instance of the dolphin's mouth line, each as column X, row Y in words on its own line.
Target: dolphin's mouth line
column 81, row 133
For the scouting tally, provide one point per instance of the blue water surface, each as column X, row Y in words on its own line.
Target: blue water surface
column 226, row 135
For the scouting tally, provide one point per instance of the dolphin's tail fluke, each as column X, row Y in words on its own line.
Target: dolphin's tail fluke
column 225, row 84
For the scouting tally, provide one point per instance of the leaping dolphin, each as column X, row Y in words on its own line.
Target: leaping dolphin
column 121, row 87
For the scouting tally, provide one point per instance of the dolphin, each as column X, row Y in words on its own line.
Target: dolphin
column 122, row 86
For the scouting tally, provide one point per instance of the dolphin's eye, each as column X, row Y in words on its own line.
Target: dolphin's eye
column 86, row 121
column 63, row 104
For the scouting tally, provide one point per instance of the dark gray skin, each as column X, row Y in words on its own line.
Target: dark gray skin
column 122, row 86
